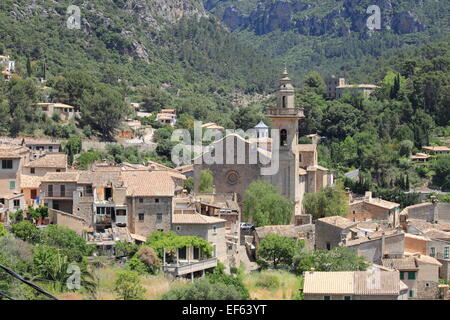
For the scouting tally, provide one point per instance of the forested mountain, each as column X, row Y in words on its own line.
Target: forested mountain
column 332, row 36
column 134, row 45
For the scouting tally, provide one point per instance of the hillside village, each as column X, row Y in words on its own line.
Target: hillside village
column 188, row 232
column 224, row 150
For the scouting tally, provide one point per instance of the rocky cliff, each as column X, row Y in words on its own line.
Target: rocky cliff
column 317, row 18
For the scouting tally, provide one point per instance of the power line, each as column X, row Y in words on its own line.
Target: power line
column 2, row 294
column 35, row 287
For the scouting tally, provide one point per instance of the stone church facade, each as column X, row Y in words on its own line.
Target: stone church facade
column 298, row 170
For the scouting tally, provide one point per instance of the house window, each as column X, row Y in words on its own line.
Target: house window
column 326, row 297
column 141, row 217
column 328, row 246
column 58, row 170
column 182, row 253
column 283, row 137
column 12, row 185
column 411, row 293
column 159, row 217
column 446, row 252
column 156, row 200
column 347, row 298
column 89, row 189
column 402, row 275
column 432, row 252
column 50, row 149
column 141, row 200
column 7, row 164
column 16, row 203
column 50, row 190
column 33, row 194
column 33, row 170
column 214, row 228
column 178, row 228
column 411, row 275
column 196, row 253
column 108, row 193
column 62, row 189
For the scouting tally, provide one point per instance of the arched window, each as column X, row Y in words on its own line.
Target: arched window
column 284, row 102
column 283, row 137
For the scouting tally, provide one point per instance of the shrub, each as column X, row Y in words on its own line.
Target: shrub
column 74, row 246
column 145, row 261
column 230, row 280
column 125, row 249
column 268, row 281
column 128, row 286
column 26, row 231
column 203, row 290
column 3, row 231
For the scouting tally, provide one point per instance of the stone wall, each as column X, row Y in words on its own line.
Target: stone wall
column 150, row 207
column 67, row 220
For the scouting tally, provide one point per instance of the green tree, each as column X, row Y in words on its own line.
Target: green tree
column 264, row 205
column 128, row 286
column 206, row 181
column 315, row 82
column 203, row 290
column 328, row 202
column 276, row 250
column 337, row 259
column 103, row 111
column 22, row 96
column 72, row 147
column 26, row 231
column 154, row 99
column 441, row 177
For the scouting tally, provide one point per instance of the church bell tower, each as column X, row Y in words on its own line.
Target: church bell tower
column 285, row 117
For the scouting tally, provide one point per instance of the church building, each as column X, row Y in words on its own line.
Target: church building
column 298, row 169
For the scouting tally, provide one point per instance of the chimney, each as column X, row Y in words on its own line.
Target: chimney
column 348, row 193
column 435, row 216
column 368, row 195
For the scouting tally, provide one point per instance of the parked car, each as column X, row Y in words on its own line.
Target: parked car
column 247, row 226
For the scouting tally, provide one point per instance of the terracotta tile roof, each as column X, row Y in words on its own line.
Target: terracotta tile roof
column 361, row 283
column 420, row 258
column 8, row 151
column 100, row 178
column 341, row 282
column 379, row 283
column 30, row 181
column 406, row 263
column 195, row 218
column 436, row 148
column 338, row 221
column 50, row 160
column 61, row 177
column 289, row 231
column 383, row 203
column 148, row 183
column 186, row 168
column 57, row 105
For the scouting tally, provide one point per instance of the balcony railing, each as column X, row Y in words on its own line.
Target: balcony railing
column 440, row 255
column 292, row 112
column 187, row 267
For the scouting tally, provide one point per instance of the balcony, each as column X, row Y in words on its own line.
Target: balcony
column 187, row 267
column 285, row 112
column 440, row 255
